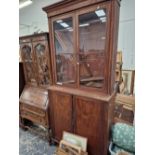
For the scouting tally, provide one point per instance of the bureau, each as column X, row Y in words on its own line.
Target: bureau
column 34, row 107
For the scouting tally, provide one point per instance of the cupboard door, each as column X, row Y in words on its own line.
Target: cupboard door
column 42, row 62
column 61, row 111
column 89, row 123
column 28, row 60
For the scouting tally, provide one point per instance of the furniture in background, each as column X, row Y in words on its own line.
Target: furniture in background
column 34, row 98
column 34, row 107
column 21, row 78
column 128, row 82
column 83, row 40
column 118, row 70
column 124, row 109
column 123, row 129
column 125, row 79
column 35, row 57
column 21, row 82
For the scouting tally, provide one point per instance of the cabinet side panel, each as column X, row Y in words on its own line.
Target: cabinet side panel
column 113, row 42
column 61, row 113
column 21, row 78
column 89, row 123
column 111, row 112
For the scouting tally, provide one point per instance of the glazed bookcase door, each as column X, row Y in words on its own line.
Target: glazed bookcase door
column 42, row 63
column 65, row 56
column 92, row 46
column 29, row 67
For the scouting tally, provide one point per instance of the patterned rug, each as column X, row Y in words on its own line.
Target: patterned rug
column 31, row 143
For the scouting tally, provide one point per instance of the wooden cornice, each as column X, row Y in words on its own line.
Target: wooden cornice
column 68, row 5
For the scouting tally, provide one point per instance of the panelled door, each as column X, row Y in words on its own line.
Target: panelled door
column 90, row 118
column 29, row 65
column 61, row 113
column 41, row 52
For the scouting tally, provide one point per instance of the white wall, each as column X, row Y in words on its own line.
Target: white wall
column 126, row 39
column 33, row 18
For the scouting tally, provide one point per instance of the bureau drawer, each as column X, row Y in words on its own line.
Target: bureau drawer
column 34, row 118
column 33, row 109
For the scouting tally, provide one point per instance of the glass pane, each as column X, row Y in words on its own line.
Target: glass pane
column 92, row 38
column 65, row 56
column 29, row 66
column 42, row 61
column 27, row 53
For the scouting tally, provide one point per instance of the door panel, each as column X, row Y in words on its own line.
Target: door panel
column 28, row 60
column 62, row 113
column 64, row 43
column 88, row 123
column 42, row 62
column 93, row 29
